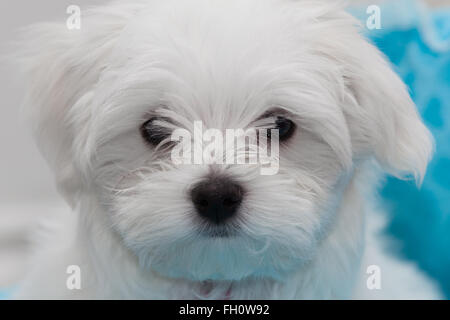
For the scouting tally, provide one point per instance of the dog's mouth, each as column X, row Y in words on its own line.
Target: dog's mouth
column 217, row 233
column 221, row 231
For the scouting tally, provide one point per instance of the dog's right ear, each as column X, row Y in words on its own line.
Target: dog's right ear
column 61, row 67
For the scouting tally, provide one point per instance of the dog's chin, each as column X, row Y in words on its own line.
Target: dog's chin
column 220, row 255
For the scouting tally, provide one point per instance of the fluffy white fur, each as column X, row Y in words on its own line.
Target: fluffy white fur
column 134, row 231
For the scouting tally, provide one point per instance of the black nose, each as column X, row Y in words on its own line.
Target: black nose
column 217, row 198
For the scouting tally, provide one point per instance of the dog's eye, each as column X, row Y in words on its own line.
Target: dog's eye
column 153, row 132
column 285, row 128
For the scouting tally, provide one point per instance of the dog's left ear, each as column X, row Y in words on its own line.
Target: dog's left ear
column 383, row 119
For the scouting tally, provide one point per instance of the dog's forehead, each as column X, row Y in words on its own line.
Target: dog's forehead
column 224, row 67
column 208, row 69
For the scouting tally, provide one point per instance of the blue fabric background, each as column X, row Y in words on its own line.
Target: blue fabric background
column 417, row 41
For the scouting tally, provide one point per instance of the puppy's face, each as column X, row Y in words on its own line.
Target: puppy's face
column 140, row 72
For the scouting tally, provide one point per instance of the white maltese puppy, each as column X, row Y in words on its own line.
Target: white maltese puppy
column 105, row 99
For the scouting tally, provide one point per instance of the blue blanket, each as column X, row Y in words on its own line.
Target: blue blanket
column 417, row 41
column 5, row 294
